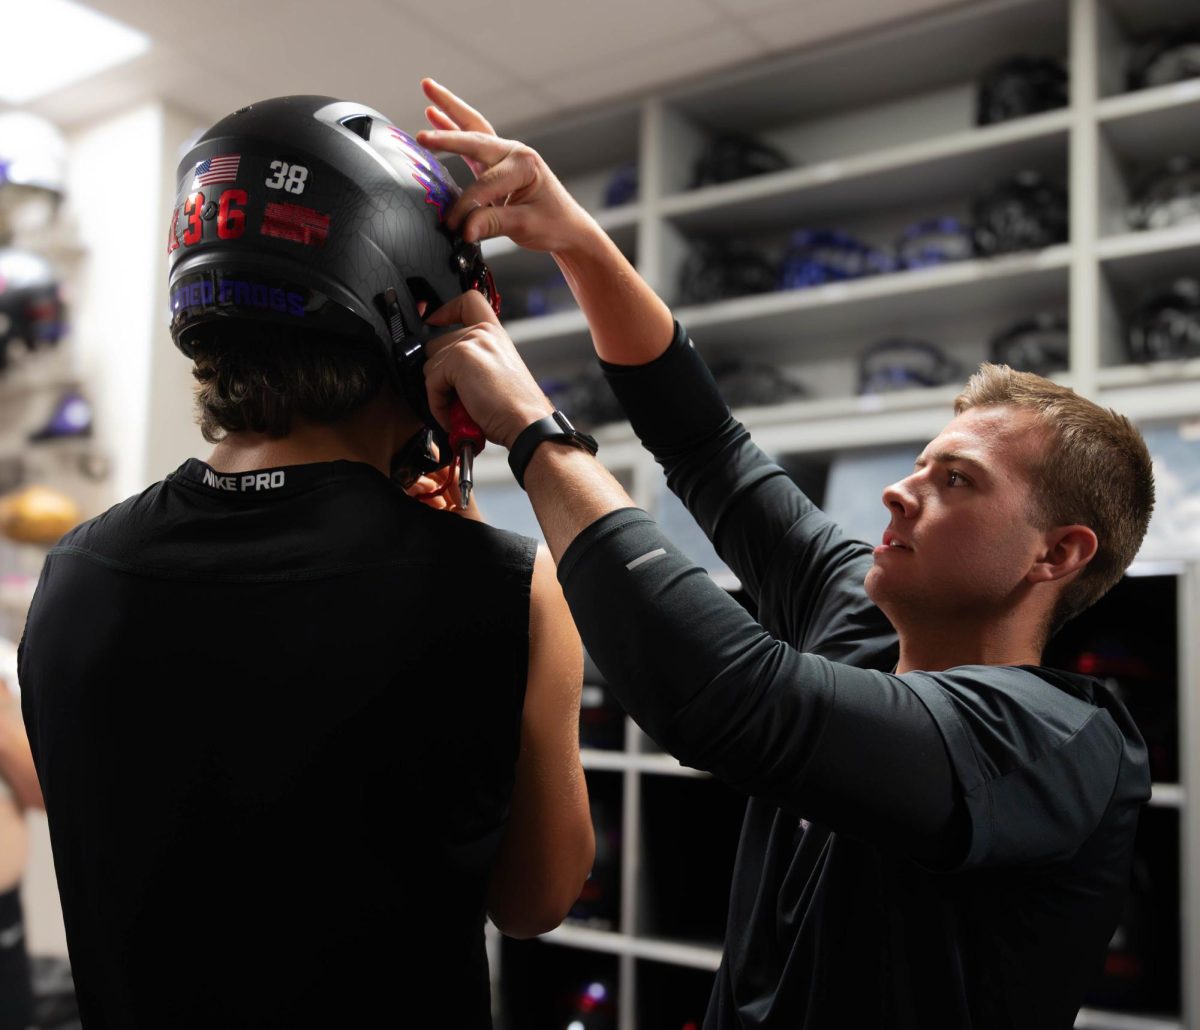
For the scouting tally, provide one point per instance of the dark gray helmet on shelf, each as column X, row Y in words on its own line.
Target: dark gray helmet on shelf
column 320, row 215
column 32, row 313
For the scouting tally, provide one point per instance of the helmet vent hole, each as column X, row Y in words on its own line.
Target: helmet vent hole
column 360, row 125
column 424, row 296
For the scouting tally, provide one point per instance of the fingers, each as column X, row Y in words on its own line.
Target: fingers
column 495, row 177
column 440, row 120
column 467, row 309
column 458, row 109
column 489, row 223
column 487, row 148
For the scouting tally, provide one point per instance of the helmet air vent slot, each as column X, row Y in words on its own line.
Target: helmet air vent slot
column 424, row 296
column 359, row 124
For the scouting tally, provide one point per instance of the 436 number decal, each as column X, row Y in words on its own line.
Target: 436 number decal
column 291, row 178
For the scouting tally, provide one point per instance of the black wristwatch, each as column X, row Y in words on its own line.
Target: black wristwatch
column 555, row 427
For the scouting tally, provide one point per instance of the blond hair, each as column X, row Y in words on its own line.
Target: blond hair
column 1095, row 471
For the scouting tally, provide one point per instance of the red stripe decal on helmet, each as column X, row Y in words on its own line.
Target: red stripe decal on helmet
column 296, row 223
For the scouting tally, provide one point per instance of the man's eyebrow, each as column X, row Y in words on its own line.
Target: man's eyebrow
column 950, row 458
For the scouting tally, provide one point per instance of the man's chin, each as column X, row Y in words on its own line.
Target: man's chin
column 879, row 591
column 872, row 584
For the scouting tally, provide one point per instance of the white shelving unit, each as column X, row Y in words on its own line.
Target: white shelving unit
column 871, row 153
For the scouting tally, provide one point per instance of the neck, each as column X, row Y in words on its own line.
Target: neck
column 373, row 435
column 936, row 644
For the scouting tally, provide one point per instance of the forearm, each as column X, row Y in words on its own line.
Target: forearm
column 629, row 322
column 532, row 887
column 548, row 845
column 569, row 490
column 16, row 763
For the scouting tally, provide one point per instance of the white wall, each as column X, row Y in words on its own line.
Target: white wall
column 121, row 184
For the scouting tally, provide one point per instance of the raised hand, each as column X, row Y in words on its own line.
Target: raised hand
column 515, row 194
column 480, row 366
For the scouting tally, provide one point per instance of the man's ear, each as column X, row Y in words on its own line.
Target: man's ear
column 1066, row 550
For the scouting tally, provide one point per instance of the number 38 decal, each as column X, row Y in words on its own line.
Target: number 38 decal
column 287, row 177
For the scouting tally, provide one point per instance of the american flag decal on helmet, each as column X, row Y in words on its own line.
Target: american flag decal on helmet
column 217, row 169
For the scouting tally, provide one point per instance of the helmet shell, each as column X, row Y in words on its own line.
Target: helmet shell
column 306, row 211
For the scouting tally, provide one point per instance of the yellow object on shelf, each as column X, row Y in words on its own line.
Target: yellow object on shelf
column 38, row 515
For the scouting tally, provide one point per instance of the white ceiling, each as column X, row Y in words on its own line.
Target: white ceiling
column 519, row 61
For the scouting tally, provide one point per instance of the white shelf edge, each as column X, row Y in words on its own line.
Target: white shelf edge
column 1154, row 241
column 1100, row 1019
column 527, row 331
column 859, row 406
column 546, row 327
column 1152, row 373
column 621, row 761
column 880, row 286
column 698, row 956
column 1166, row 795
column 1146, row 101
column 796, row 180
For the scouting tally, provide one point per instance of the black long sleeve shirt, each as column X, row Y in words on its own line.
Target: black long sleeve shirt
column 924, row 850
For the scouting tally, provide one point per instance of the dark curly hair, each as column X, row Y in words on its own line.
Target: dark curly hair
column 260, row 377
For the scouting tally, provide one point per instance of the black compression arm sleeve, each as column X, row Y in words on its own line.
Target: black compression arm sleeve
column 672, row 402
column 791, row 558
column 852, row 748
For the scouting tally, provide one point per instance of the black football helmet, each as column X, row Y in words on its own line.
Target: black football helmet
column 318, row 214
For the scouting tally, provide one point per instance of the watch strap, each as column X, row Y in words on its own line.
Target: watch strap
column 555, row 428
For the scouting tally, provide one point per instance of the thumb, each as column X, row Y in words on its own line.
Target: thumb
column 468, row 308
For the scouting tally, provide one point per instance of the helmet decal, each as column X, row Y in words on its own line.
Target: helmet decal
column 427, row 170
column 296, row 223
column 215, row 170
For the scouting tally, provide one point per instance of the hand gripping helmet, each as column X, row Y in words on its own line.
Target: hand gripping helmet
column 320, row 215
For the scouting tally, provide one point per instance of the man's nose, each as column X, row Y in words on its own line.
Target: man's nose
column 901, row 499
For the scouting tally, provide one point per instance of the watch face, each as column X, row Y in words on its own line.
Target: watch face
column 563, row 421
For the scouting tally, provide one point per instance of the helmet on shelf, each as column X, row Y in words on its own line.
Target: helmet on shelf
column 1024, row 212
column 1166, row 325
column 1020, row 86
column 32, row 314
column 717, row 271
column 33, row 159
column 1170, row 56
column 1040, row 344
column 817, row 256
column 1170, row 196
column 322, row 216
column 934, row 241
column 754, row 384
column 728, row 156
column 903, row 363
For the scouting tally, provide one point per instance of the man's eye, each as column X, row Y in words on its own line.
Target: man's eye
column 955, row 478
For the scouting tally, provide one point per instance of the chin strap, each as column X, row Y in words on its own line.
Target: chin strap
column 418, row 457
